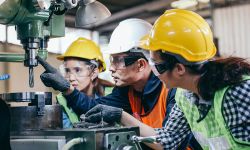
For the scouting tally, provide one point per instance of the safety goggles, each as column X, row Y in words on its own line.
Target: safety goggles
column 79, row 70
column 121, row 62
column 159, row 68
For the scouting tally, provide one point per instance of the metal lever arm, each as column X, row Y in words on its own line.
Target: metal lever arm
column 149, row 139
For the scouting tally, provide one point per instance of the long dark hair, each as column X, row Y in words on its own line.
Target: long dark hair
column 215, row 74
column 220, row 73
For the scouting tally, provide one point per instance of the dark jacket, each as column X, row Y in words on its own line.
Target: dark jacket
column 81, row 103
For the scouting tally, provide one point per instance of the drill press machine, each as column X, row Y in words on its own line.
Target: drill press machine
column 38, row 20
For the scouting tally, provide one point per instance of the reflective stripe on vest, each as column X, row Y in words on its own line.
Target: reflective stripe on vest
column 212, row 132
column 156, row 116
column 70, row 113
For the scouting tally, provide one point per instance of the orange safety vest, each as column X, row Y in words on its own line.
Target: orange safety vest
column 156, row 116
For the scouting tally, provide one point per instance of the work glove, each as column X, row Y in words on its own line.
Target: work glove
column 108, row 113
column 83, row 124
column 52, row 78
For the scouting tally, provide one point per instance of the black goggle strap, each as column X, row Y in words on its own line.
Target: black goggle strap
column 161, row 68
column 129, row 60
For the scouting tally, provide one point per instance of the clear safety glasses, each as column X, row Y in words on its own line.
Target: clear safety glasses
column 78, row 70
column 120, row 62
column 158, row 68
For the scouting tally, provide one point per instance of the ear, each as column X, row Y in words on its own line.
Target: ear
column 180, row 69
column 94, row 74
column 142, row 64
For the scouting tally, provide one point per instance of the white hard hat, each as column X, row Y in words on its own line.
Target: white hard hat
column 127, row 35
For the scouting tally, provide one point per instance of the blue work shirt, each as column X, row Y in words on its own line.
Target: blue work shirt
column 81, row 103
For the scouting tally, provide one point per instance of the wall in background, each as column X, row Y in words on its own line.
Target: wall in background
column 231, row 27
column 55, row 45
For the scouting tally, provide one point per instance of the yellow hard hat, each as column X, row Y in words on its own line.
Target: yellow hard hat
column 86, row 49
column 181, row 32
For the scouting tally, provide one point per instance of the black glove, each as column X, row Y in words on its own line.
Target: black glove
column 83, row 124
column 52, row 78
column 109, row 114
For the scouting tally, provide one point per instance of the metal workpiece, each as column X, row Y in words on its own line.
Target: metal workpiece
column 40, row 114
column 39, row 102
column 26, row 118
column 26, row 97
column 112, row 138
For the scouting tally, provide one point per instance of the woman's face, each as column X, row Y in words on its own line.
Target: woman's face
column 167, row 76
column 78, row 74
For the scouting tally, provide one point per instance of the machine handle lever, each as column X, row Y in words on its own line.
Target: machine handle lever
column 149, row 139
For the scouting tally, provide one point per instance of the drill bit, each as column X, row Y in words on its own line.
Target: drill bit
column 31, row 77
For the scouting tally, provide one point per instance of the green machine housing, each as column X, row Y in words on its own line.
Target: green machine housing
column 35, row 22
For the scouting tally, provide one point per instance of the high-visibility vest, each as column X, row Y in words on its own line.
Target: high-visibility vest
column 70, row 113
column 212, row 132
column 156, row 115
